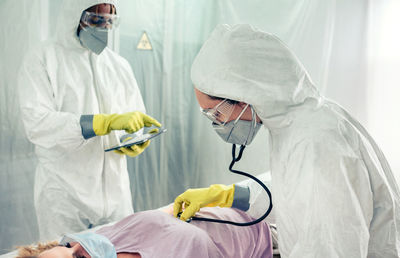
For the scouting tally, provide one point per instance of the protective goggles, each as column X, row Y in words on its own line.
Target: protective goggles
column 100, row 20
column 220, row 113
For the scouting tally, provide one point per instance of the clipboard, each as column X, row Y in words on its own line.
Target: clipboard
column 136, row 139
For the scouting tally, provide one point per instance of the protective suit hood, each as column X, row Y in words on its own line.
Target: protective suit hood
column 70, row 15
column 242, row 63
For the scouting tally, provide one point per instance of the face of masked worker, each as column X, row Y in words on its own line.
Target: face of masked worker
column 235, row 122
column 95, row 24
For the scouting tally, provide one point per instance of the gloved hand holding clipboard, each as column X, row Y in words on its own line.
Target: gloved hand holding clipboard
column 136, row 140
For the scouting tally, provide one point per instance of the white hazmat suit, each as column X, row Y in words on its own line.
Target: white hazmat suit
column 333, row 192
column 77, row 184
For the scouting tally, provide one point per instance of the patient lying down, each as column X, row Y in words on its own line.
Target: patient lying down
column 156, row 233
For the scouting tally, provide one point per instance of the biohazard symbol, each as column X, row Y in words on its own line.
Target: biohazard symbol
column 144, row 42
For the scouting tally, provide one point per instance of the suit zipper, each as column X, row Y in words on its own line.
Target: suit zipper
column 101, row 105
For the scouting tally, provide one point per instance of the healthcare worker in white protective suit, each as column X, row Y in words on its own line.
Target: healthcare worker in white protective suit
column 72, row 91
column 333, row 192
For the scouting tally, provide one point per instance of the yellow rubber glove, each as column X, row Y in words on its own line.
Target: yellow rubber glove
column 130, row 122
column 135, row 150
column 194, row 199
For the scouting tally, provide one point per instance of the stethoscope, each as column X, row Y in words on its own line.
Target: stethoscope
column 234, row 160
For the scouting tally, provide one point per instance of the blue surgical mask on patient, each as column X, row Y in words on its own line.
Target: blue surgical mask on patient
column 94, row 39
column 97, row 246
column 239, row 132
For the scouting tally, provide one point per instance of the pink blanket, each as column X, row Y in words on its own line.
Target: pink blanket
column 157, row 234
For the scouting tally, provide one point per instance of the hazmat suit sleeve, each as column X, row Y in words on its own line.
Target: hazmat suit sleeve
column 45, row 126
column 325, row 202
column 258, row 199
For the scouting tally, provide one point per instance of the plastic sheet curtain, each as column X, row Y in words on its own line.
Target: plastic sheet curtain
column 330, row 37
column 22, row 28
column 190, row 154
column 383, row 91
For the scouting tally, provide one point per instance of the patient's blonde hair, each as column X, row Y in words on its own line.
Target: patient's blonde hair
column 33, row 251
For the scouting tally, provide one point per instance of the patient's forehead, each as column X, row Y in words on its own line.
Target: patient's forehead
column 56, row 252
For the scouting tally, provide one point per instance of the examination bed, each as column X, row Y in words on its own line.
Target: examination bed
column 209, row 228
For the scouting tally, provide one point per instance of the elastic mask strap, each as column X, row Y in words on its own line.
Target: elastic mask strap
column 237, row 119
column 253, row 123
column 253, row 116
column 241, row 113
column 222, row 102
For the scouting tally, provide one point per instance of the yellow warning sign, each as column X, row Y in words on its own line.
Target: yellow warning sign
column 144, row 42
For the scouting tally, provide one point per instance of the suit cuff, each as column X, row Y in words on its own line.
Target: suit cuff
column 241, row 198
column 86, row 122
